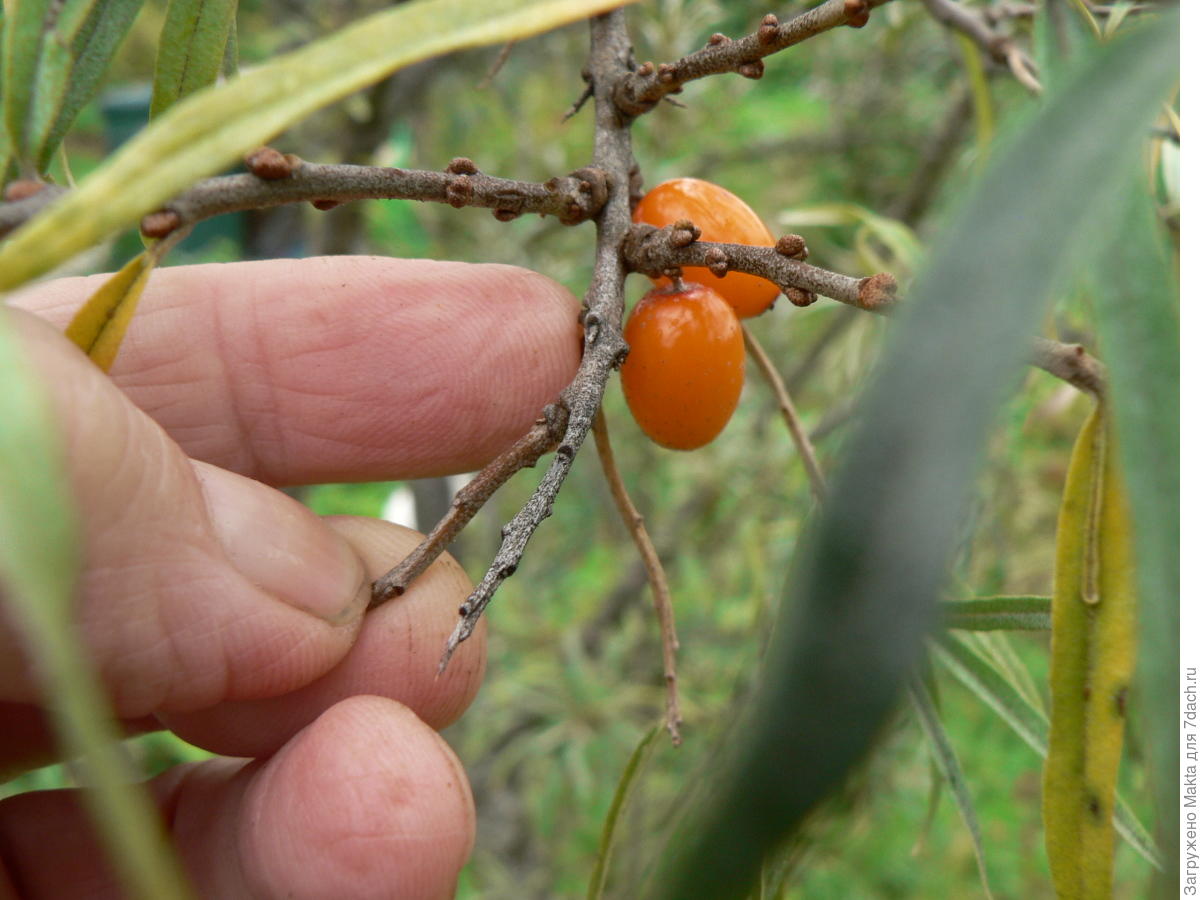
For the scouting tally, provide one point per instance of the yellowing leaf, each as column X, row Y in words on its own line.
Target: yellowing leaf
column 203, row 133
column 100, row 325
column 1091, row 664
column 39, row 562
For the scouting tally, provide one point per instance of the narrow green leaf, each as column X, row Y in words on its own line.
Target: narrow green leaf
column 931, row 807
column 959, row 659
column 1086, row 16
column 1134, row 275
column 998, row 614
column 55, row 55
column 899, row 240
column 640, row 756
column 7, row 159
column 229, row 65
column 860, row 597
column 1116, row 15
column 38, row 564
column 947, row 763
column 204, row 133
column 191, row 50
column 996, row 647
column 981, row 98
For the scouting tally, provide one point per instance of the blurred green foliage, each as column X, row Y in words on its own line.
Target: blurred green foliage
column 574, row 681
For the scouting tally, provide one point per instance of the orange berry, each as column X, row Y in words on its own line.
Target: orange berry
column 683, row 376
column 720, row 216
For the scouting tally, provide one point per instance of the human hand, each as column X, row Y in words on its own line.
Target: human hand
column 222, row 609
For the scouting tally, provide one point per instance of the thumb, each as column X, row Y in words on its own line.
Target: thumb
column 198, row 585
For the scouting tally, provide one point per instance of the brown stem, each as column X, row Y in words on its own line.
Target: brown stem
column 572, row 198
column 1071, row 363
column 496, row 66
column 803, row 445
column 15, row 213
column 999, row 47
column 604, row 305
column 639, row 91
column 546, row 432
column 659, row 589
column 658, row 251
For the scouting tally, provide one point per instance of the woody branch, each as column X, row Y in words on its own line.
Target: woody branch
column 638, row 92
column 662, row 251
column 276, row 179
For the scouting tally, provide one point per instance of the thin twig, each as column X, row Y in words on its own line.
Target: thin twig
column 584, row 96
column 999, row 47
column 1071, row 363
column 803, row 445
column 14, row 213
column 604, row 304
column 496, row 66
column 1001, row 11
column 546, row 432
column 657, row 251
column 937, row 155
column 636, row 526
column 572, row 199
column 639, row 91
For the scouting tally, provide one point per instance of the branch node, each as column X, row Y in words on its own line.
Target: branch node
column 461, row 165
column 717, row 261
column 716, row 39
column 792, row 246
column 22, row 188
column 877, row 290
column 683, row 232
column 667, row 73
column 857, row 12
column 768, row 30
column 161, row 223
column 646, row 68
column 800, row 296
column 459, row 191
column 505, row 215
column 752, row 70
column 269, row 164
column 620, row 356
column 326, row 204
column 592, row 322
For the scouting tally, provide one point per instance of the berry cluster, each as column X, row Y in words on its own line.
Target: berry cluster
column 686, row 365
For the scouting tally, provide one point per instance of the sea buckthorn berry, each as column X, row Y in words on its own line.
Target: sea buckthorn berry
column 722, row 217
column 686, row 364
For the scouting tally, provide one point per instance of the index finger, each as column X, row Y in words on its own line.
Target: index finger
column 340, row 368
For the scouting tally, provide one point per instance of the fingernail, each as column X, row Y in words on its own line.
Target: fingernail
column 282, row 547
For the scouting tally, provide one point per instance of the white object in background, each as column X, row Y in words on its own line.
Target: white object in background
column 401, row 506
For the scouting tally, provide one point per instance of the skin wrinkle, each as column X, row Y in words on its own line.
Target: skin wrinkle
column 387, row 792
column 358, row 305
column 132, row 648
column 237, row 386
column 265, row 644
column 377, row 664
